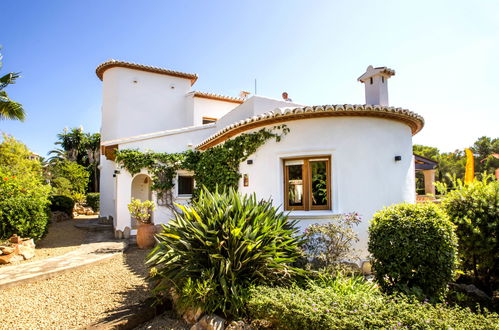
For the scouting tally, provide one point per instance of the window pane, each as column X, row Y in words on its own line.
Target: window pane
column 319, row 182
column 295, row 185
column 185, row 185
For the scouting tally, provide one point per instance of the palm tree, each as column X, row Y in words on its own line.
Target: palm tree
column 91, row 145
column 72, row 142
column 9, row 109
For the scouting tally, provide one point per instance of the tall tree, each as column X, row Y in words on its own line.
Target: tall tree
column 9, row 109
column 91, row 145
column 81, row 148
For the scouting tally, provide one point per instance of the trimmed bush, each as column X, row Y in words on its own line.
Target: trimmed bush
column 93, row 200
column 62, row 203
column 215, row 249
column 361, row 307
column 413, row 248
column 474, row 209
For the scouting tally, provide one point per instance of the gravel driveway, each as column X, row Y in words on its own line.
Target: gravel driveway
column 79, row 298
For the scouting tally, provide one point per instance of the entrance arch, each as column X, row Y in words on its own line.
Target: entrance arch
column 141, row 190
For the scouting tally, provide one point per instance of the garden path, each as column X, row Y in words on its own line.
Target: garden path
column 98, row 246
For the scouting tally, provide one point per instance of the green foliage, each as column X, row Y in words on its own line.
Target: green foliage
column 141, row 211
column 9, row 109
column 215, row 249
column 358, row 307
column 474, row 209
column 23, row 194
column 62, row 203
column 217, row 166
column 76, row 174
column 484, row 149
column 414, row 249
column 93, row 200
column 82, row 148
column 451, row 165
column 326, row 245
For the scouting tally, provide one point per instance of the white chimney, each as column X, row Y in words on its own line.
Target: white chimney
column 376, row 83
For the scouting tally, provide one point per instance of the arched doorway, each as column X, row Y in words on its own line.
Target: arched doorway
column 141, row 190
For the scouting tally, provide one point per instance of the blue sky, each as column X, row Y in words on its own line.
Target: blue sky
column 444, row 53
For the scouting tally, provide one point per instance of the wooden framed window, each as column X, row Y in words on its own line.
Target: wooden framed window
column 307, row 183
column 209, row 120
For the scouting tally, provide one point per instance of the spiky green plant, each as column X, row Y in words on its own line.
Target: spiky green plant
column 220, row 245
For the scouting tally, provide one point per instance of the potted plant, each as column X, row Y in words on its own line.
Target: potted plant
column 141, row 211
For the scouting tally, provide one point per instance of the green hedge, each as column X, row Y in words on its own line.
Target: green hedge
column 474, row 209
column 62, row 203
column 328, row 308
column 413, row 248
column 93, row 200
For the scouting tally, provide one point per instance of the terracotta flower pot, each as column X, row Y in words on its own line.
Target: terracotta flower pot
column 145, row 235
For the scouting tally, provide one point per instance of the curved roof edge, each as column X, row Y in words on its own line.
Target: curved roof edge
column 99, row 71
column 413, row 120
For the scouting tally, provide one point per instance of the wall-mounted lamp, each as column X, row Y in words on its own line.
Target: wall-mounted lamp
column 398, row 158
column 249, row 161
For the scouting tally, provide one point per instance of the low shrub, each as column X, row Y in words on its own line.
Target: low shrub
column 474, row 209
column 317, row 307
column 62, row 203
column 413, row 248
column 215, row 249
column 327, row 245
column 23, row 207
column 93, row 201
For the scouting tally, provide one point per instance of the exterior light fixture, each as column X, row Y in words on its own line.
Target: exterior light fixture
column 398, row 158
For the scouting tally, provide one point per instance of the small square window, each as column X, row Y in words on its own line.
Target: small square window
column 208, row 120
column 185, row 185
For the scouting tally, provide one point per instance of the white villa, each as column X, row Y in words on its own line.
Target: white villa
column 363, row 151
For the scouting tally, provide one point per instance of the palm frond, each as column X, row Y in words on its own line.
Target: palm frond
column 10, row 109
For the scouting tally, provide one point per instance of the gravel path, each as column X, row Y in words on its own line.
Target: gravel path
column 78, row 298
column 63, row 237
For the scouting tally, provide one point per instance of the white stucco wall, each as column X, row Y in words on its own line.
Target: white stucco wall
column 253, row 106
column 176, row 141
column 137, row 102
column 202, row 107
column 107, row 188
column 365, row 176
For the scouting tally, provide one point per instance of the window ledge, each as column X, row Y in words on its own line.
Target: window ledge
column 319, row 214
column 183, row 197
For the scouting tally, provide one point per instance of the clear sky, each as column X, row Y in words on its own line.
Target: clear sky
column 445, row 54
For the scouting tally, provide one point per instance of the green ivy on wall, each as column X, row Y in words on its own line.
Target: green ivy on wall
column 217, row 166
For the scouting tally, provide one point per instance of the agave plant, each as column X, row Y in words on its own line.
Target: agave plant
column 220, row 245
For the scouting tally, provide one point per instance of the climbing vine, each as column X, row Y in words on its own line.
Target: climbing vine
column 217, row 166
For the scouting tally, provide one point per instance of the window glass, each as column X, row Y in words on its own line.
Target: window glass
column 185, row 185
column 208, row 120
column 307, row 183
column 295, row 185
column 319, row 182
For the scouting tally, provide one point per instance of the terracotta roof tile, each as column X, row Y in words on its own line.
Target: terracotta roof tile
column 113, row 63
column 413, row 120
